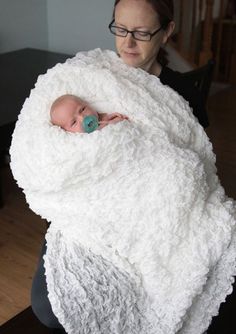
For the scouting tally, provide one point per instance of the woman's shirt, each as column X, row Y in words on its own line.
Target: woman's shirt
column 189, row 93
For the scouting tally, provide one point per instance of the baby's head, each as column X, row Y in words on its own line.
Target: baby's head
column 68, row 112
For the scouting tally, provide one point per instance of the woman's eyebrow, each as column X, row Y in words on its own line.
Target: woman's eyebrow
column 136, row 28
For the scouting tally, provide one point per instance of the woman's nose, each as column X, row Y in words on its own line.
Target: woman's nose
column 129, row 40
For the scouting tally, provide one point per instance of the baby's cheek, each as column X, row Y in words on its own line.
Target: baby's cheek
column 77, row 128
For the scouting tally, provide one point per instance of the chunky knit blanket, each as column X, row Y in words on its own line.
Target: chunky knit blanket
column 142, row 236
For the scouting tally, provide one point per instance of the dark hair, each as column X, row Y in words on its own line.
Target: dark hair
column 165, row 12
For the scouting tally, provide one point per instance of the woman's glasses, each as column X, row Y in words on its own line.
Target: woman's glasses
column 136, row 34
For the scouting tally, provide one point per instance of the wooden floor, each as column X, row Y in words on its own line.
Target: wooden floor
column 21, row 235
column 21, row 231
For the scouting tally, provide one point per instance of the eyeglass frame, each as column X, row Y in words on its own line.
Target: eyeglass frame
column 133, row 31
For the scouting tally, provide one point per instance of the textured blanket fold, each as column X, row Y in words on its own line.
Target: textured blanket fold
column 142, row 236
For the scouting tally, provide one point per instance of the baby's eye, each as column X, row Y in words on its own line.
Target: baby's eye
column 82, row 109
column 73, row 123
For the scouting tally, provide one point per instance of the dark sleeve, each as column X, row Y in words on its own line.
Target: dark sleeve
column 189, row 92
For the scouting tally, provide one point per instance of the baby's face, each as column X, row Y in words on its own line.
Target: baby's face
column 69, row 112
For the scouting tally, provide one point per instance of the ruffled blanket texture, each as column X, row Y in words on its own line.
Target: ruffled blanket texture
column 142, row 236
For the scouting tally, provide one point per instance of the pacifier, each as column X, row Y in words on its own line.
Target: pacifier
column 90, row 123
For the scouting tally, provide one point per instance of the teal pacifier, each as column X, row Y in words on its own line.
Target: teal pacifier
column 90, row 123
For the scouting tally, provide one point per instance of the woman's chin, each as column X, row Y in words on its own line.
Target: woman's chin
column 131, row 59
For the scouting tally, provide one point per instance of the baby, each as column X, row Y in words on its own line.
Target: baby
column 69, row 111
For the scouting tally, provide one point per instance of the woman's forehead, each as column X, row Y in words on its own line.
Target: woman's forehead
column 138, row 13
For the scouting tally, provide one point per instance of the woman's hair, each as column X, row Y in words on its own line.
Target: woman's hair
column 165, row 12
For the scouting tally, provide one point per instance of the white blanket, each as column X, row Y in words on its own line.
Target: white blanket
column 142, row 236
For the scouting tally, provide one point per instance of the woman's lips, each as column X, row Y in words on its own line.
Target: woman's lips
column 130, row 54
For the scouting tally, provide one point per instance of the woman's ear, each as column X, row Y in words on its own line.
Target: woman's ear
column 168, row 32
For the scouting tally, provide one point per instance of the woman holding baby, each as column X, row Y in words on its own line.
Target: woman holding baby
column 141, row 29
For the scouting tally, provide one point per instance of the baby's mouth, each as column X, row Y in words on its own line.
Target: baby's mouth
column 90, row 123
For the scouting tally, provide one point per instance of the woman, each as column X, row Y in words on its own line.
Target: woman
column 141, row 27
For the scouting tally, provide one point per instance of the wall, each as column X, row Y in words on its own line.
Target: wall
column 176, row 61
column 23, row 23
column 61, row 25
column 78, row 25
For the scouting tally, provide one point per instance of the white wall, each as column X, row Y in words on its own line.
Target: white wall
column 57, row 25
column 79, row 25
column 23, row 23
column 65, row 26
